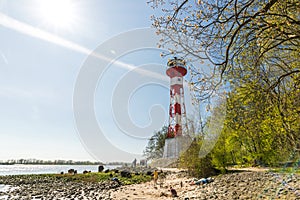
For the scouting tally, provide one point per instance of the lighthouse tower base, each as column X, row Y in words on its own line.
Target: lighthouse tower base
column 175, row 146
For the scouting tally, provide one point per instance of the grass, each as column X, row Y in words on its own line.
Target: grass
column 286, row 170
column 98, row 177
column 92, row 177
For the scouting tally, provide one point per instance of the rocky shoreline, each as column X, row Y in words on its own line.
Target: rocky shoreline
column 240, row 185
column 249, row 185
column 34, row 187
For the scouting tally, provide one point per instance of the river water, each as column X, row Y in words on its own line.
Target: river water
column 44, row 169
column 48, row 169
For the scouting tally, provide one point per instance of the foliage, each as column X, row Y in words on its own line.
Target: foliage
column 197, row 166
column 156, row 143
column 257, row 131
column 47, row 162
column 224, row 32
column 253, row 49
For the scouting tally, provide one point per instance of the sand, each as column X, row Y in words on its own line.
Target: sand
column 253, row 184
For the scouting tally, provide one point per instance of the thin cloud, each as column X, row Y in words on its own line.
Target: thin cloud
column 4, row 57
column 26, row 29
column 21, row 93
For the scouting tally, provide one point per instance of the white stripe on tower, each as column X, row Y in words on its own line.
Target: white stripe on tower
column 176, row 70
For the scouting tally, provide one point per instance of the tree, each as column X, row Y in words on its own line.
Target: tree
column 197, row 166
column 253, row 49
column 155, row 146
column 223, row 32
column 256, row 133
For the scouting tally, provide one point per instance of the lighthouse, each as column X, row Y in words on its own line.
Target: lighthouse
column 177, row 130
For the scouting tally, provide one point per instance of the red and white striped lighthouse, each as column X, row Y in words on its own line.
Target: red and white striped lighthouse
column 177, row 139
column 176, row 70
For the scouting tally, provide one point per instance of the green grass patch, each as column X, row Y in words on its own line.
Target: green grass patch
column 286, row 170
column 89, row 177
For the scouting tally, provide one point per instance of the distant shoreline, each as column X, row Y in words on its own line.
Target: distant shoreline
column 50, row 164
column 59, row 162
column 22, row 169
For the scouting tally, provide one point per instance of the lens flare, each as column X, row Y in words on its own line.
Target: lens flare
column 58, row 13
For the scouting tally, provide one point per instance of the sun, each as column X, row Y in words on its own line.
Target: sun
column 57, row 13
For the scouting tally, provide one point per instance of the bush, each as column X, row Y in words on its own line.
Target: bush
column 197, row 166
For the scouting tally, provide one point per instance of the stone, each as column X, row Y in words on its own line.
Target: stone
column 126, row 174
column 100, row 168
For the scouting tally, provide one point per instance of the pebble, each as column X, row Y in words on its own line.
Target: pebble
column 250, row 185
column 51, row 188
column 243, row 185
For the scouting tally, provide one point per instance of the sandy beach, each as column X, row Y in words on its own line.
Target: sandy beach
column 239, row 185
column 256, row 184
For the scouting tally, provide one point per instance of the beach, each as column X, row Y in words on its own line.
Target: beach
column 32, row 187
column 238, row 185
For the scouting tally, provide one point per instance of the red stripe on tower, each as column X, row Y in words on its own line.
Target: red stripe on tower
column 176, row 70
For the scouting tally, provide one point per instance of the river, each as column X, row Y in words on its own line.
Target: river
column 44, row 169
column 48, row 169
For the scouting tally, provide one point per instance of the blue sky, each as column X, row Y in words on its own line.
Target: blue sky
column 39, row 69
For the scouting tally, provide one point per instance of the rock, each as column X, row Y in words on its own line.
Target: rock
column 162, row 194
column 244, row 185
column 149, row 173
column 126, row 174
column 100, row 168
column 71, row 171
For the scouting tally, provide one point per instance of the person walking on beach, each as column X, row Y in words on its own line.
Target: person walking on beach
column 155, row 176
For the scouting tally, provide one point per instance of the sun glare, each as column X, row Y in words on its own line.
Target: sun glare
column 57, row 13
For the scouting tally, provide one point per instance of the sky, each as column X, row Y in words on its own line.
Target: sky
column 46, row 47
